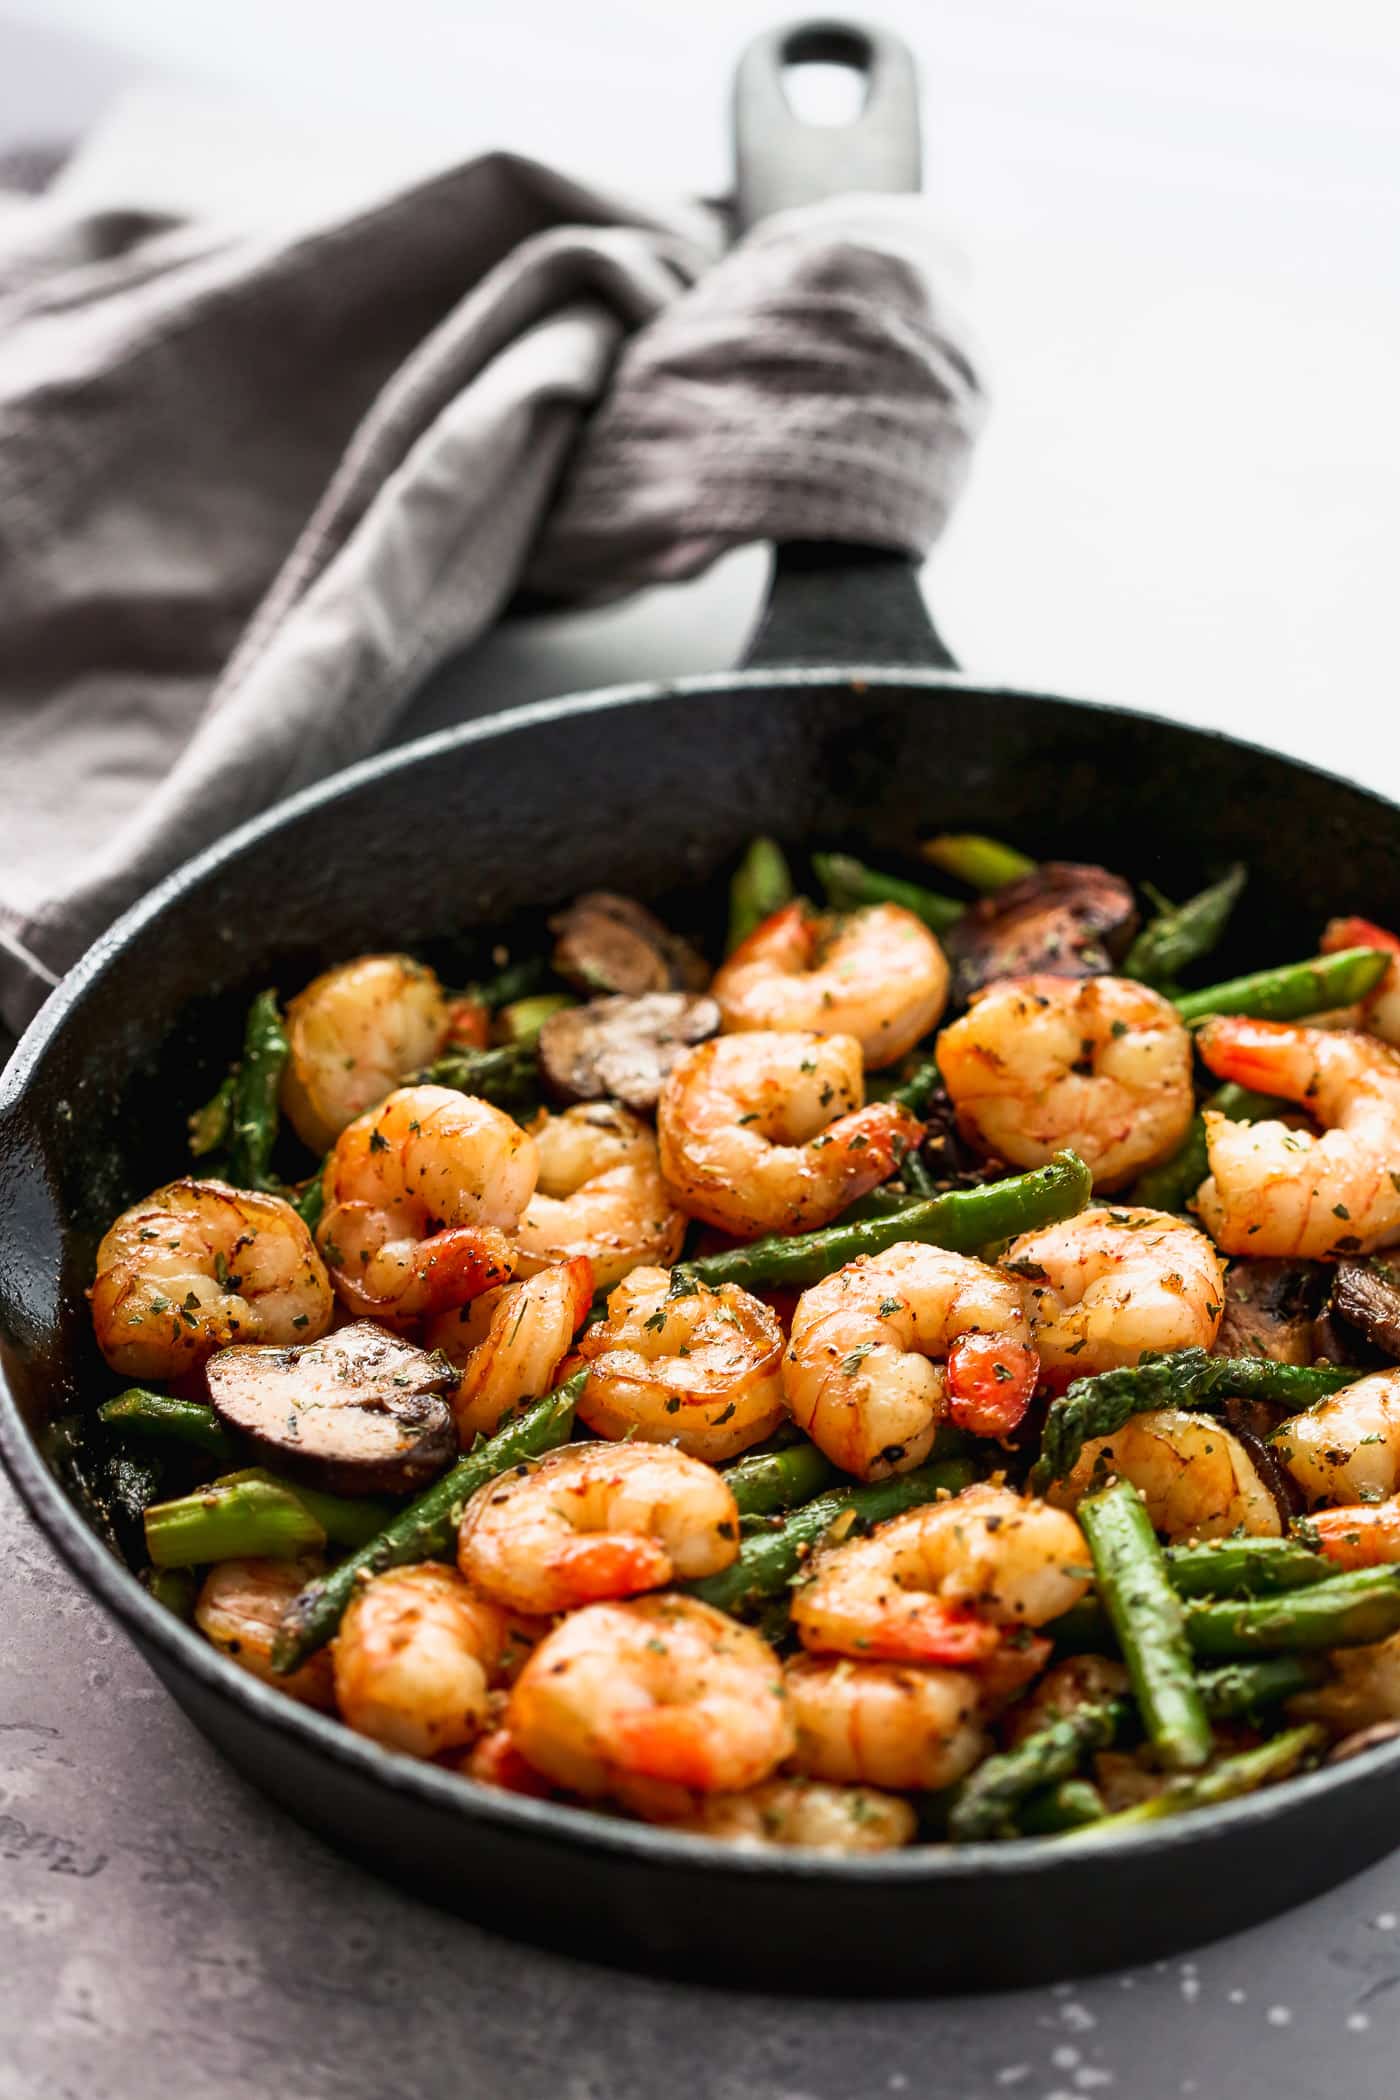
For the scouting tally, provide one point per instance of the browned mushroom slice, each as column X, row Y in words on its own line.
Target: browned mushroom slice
column 1270, row 1307
column 622, row 1049
column 360, row 1412
column 1067, row 918
column 608, row 943
column 1366, row 1294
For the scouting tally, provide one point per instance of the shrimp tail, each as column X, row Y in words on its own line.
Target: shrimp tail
column 599, row 1566
column 496, row 1760
column 1268, row 1056
column 459, row 1264
column 668, row 1743
column 935, row 1633
column 991, row 1381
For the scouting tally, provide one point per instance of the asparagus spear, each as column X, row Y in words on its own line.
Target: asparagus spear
column 768, row 1481
column 1068, row 1806
column 1237, row 1691
column 759, row 886
column 424, row 1531
column 1147, row 1617
column 242, row 1117
column 1233, row 1776
column 1245, row 1567
column 231, row 1521
column 982, row 863
column 507, row 1076
column 141, row 1413
column 768, row 1561
column 990, row 1796
column 1170, row 1185
column 172, row 1587
column 850, row 883
column 1188, row 1378
column 516, row 981
column 1347, row 1611
column 523, row 1019
column 311, row 1201
column 964, row 1220
column 1293, row 990
column 919, row 1088
column 1184, row 933
column 347, row 1520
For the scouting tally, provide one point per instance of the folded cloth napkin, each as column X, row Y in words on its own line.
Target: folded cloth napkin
column 254, row 490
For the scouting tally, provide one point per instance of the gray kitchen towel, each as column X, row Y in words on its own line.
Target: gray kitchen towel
column 253, row 490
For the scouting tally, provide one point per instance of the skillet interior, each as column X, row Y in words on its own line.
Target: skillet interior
column 653, row 791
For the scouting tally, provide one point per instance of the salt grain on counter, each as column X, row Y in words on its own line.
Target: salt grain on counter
column 1387, row 1921
column 1279, row 2016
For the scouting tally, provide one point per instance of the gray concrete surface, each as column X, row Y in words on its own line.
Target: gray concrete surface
column 163, row 1930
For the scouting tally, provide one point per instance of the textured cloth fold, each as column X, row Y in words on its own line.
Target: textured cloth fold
column 254, row 490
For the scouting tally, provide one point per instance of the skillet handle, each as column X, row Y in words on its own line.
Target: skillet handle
column 829, row 602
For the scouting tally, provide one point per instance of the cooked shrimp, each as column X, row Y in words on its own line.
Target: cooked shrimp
column 805, row 1812
column 878, row 975
column 239, row 1609
column 1379, row 1012
column 199, row 1265
column 701, row 1370
column 1364, row 1536
column 766, row 1132
column 940, row 1583
column 597, row 1520
column 1273, row 1190
column 599, row 1193
column 650, row 1701
column 1107, row 1285
column 884, row 1724
column 416, row 1653
column 353, row 1035
column 880, row 1351
column 1099, row 1064
column 1347, row 1448
column 510, row 1342
column 420, row 1194
column 1196, row 1477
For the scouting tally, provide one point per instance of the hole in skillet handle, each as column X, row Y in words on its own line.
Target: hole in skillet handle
column 829, row 603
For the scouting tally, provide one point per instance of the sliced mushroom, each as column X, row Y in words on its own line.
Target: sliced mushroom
column 1361, row 1740
column 1366, row 1294
column 608, row 943
column 1066, row 918
column 1270, row 1307
column 359, row 1412
column 622, row 1049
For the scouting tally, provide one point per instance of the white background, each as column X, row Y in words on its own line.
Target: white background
column 1183, row 218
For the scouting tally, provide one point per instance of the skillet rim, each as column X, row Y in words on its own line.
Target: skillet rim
column 119, row 1591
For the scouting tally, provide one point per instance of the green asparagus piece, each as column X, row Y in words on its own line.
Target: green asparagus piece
column 768, row 1561
column 850, row 883
column 311, row 1200
column 517, row 980
column 1245, row 1567
column 523, row 1019
column 141, row 1413
column 346, row 1520
column 240, row 1520
column 964, row 1220
column 1293, row 990
column 1187, row 1378
column 990, row 1796
column 1233, row 1776
column 1237, row 1691
column 982, row 863
column 241, row 1120
column 919, row 1089
column 768, row 1481
column 916, row 1176
column 1348, row 1611
column 759, row 886
column 174, row 1588
column 1183, row 933
column 1068, row 1806
column 1148, row 1620
column 425, row 1530
column 507, row 1076
column 1170, row 1185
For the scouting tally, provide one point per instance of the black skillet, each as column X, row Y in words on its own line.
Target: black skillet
column 847, row 723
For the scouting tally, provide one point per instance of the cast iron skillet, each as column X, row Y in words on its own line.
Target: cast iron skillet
column 847, row 723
